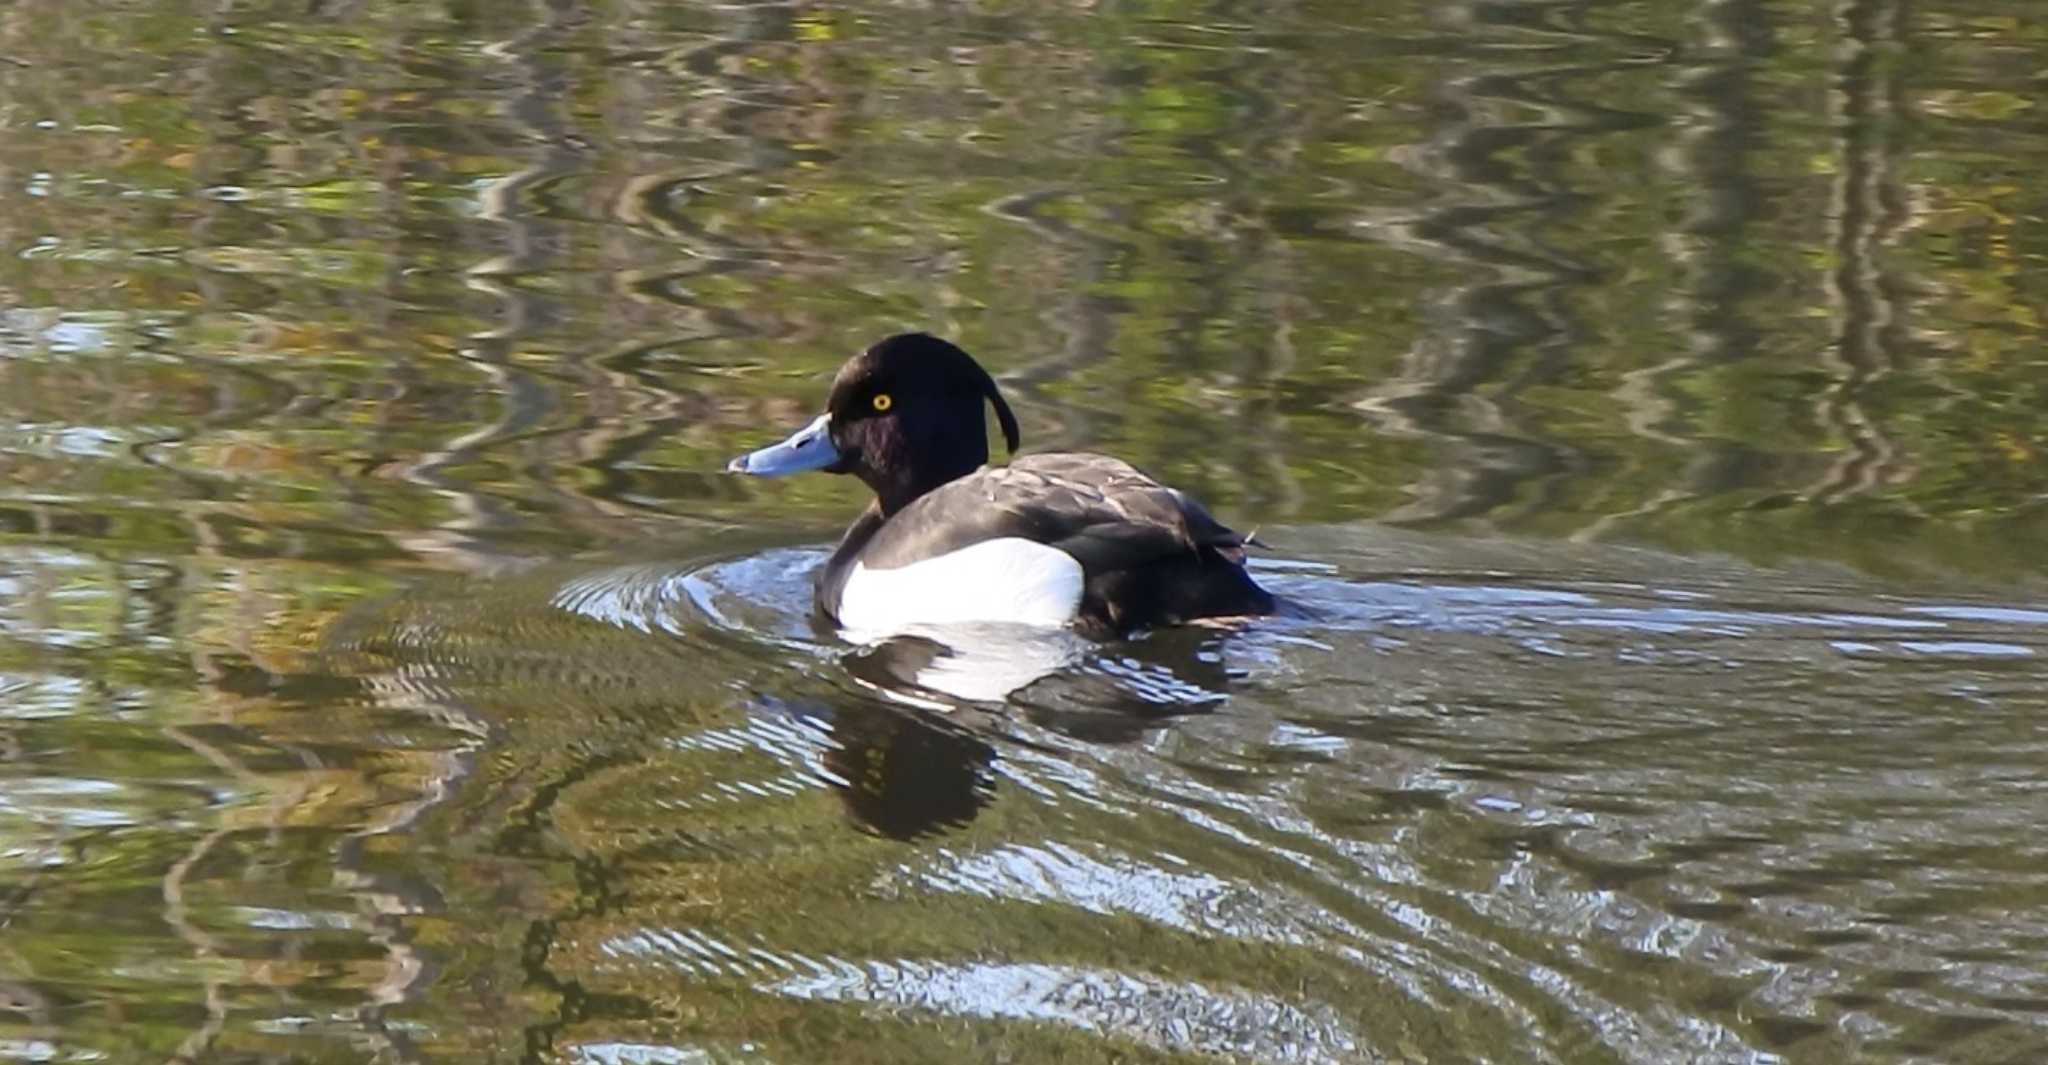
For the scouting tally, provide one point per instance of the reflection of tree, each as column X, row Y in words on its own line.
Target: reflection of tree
column 528, row 245
column 1713, row 154
column 1868, row 213
column 1510, row 326
column 674, row 223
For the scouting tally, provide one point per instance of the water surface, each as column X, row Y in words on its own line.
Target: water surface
column 1641, row 402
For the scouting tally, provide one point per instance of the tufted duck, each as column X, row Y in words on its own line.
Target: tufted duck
column 1052, row 539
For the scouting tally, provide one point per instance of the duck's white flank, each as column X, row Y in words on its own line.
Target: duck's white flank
column 1008, row 579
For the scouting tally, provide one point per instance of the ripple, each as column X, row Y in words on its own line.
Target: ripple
column 1149, row 1011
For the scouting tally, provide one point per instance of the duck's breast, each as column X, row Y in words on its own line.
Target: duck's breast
column 1006, row 579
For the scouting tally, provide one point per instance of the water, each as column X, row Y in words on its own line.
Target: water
column 1641, row 402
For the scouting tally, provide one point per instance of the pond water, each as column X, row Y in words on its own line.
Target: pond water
column 1642, row 404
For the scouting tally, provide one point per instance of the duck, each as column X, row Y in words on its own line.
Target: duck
column 1071, row 540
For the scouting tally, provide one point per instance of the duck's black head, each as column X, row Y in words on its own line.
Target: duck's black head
column 904, row 416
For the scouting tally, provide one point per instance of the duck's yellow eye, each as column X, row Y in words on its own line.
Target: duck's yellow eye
column 883, row 402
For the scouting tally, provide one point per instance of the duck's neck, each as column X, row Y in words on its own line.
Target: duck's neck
column 896, row 487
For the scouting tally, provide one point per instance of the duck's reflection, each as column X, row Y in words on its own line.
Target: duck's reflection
column 908, row 774
column 1172, row 671
column 922, row 759
column 938, row 666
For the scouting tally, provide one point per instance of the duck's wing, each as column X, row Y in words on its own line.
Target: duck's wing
column 1098, row 509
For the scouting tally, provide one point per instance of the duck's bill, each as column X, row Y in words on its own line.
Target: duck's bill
column 809, row 448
